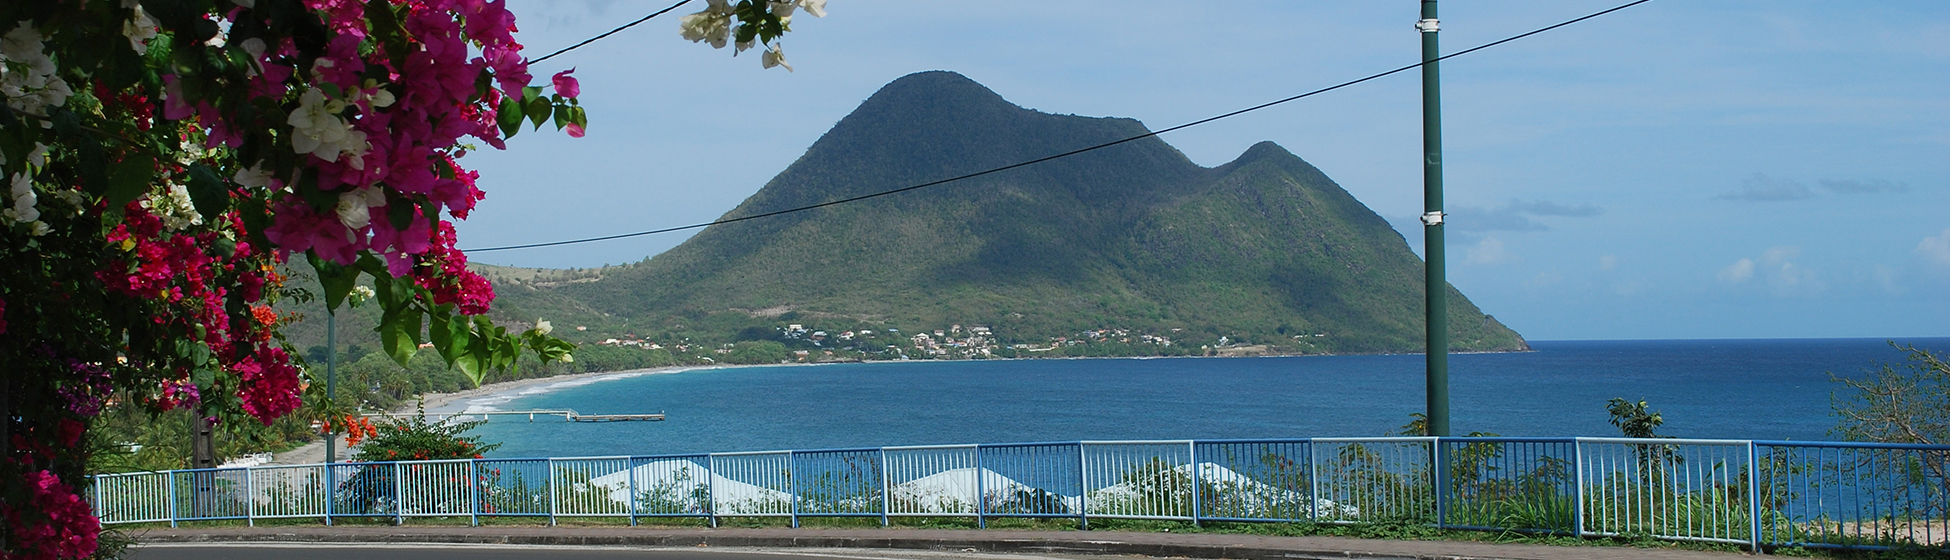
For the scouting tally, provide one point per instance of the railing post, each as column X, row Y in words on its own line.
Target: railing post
column 1083, row 490
column 981, row 493
column 1753, row 496
column 250, row 499
column 399, row 494
column 792, row 486
column 1438, row 477
column 1577, row 462
column 629, row 471
column 1197, row 477
column 100, row 508
column 885, row 488
column 474, row 491
column 551, row 492
column 711, row 488
column 169, row 478
column 331, row 492
column 1313, row 479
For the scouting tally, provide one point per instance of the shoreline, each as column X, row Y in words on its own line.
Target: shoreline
column 440, row 406
column 440, row 402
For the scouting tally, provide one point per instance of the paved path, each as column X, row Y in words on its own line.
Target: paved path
column 308, row 454
column 1193, row 545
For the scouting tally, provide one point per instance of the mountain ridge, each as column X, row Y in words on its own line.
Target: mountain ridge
column 1265, row 249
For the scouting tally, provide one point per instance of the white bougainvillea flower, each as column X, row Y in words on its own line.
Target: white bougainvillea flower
column 543, row 327
column 139, row 29
column 38, row 157
column 22, row 44
column 22, row 191
column 35, row 87
column 775, row 57
column 355, row 205
column 815, row 7
column 175, row 208
column 317, row 130
column 706, row 26
column 254, row 176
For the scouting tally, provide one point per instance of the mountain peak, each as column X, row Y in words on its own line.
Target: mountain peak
column 937, row 90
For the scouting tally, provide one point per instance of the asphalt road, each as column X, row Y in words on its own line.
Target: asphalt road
column 255, row 551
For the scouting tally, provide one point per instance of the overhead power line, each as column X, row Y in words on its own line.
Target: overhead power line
column 1068, row 153
column 611, row 32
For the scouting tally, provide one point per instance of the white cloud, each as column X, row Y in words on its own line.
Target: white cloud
column 1489, row 251
column 1775, row 269
column 1740, row 271
column 1936, row 250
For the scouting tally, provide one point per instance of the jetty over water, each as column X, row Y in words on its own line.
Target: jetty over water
column 566, row 414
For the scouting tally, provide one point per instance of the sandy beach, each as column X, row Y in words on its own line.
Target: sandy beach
column 485, row 397
column 489, row 397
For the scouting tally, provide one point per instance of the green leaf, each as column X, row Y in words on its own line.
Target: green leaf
column 470, row 365
column 208, row 193
column 128, row 179
column 337, row 281
column 538, row 110
column 385, row 26
column 400, row 212
column 509, row 116
column 449, row 336
column 393, row 338
column 561, row 116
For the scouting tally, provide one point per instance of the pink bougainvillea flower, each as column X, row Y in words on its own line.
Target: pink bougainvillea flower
column 3, row 316
column 566, row 85
column 575, row 130
column 174, row 108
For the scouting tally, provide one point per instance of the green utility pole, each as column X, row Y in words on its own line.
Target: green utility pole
column 331, row 379
column 1436, row 284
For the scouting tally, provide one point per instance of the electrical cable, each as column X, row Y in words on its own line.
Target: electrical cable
column 611, row 32
column 1064, row 154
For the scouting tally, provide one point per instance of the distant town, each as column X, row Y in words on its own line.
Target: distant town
column 796, row 342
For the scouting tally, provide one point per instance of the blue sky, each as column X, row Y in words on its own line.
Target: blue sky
column 1681, row 169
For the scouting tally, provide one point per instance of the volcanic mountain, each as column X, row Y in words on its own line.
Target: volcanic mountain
column 1135, row 238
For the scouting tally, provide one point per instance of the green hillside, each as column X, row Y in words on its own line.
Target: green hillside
column 1109, row 252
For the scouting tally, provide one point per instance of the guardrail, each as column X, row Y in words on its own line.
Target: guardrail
column 1761, row 494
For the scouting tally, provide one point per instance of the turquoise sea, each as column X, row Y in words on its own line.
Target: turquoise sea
column 1747, row 389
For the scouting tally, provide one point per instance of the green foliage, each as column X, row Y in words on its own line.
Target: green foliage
column 1635, row 420
column 413, row 438
column 130, row 439
column 1907, row 403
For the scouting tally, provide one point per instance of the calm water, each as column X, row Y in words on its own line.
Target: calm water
column 1759, row 389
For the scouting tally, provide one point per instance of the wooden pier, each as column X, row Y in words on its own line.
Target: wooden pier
column 658, row 417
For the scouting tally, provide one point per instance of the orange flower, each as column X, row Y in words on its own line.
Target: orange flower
column 264, row 315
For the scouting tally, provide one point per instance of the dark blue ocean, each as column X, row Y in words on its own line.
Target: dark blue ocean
column 1745, row 389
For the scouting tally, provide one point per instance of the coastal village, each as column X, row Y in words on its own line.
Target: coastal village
column 812, row 344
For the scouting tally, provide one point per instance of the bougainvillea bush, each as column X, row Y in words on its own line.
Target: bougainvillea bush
column 162, row 160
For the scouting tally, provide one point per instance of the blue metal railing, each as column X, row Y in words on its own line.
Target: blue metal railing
column 1760, row 494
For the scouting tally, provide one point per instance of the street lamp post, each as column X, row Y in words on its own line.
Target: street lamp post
column 1435, row 284
column 331, row 380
